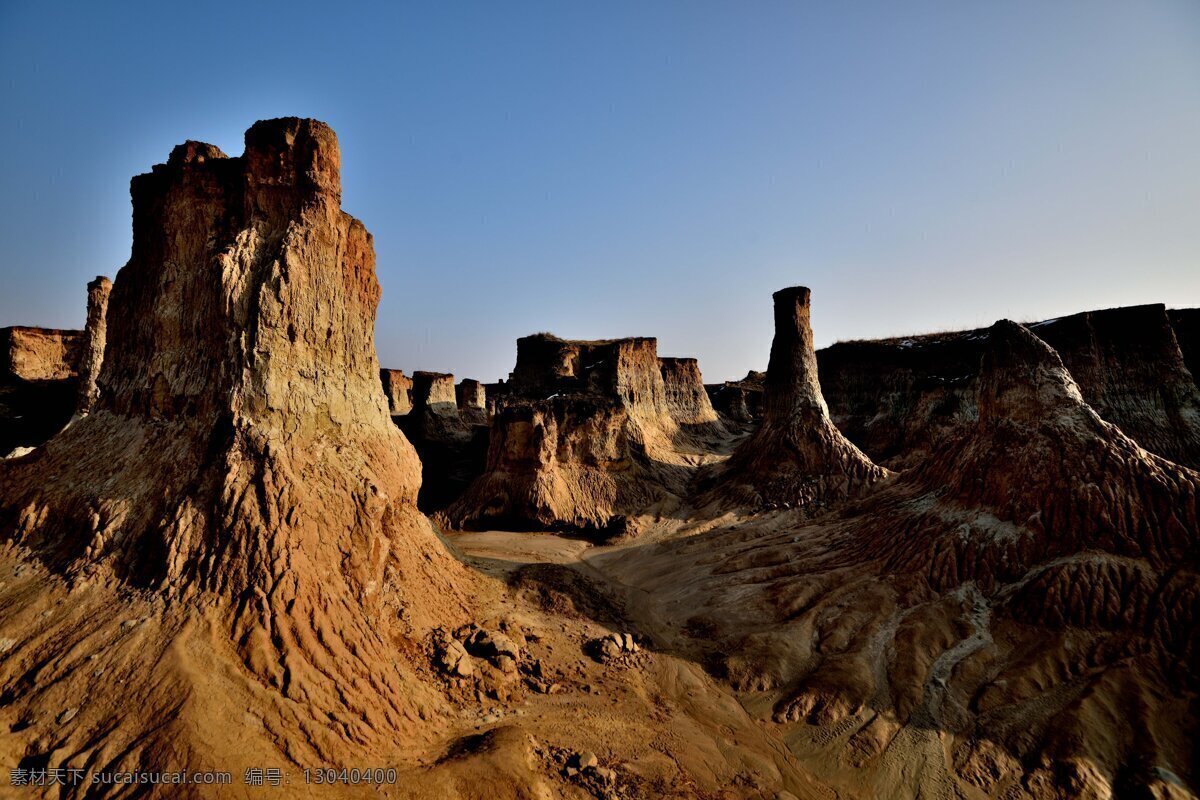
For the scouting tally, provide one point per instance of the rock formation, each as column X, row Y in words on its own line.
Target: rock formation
column 397, row 388
column 1016, row 616
column 95, row 334
column 740, row 401
column 240, row 461
column 583, row 437
column 452, row 452
column 39, row 354
column 38, row 385
column 472, row 401
column 687, row 401
column 1129, row 367
column 797, row 457
column 899, row 399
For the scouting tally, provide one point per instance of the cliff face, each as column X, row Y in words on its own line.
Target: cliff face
column 899, row 399
column 39, row 354
column 586, row 435
column 472, row 401
column 397, row 388
column 797, row 457
column 1021, row 607
column 452, row 452
column 687, row 401
column 1186, row 324
column 240, row 456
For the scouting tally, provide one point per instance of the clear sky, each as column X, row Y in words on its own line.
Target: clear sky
column 604, row 169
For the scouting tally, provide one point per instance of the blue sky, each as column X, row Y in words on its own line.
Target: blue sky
column 642, row 168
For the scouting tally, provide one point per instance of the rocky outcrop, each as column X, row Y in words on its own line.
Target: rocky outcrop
column 687, row 401
column 899, row 399
column 739, row 402
column 797, row 457
column 397, row 388
column 95, row 334
column 582, row 437
column 38, row 385
column 240, row 459
column 39, row 354
column 452, row 452
column 1130, row 369
column 1022, row 601
column 472, row 401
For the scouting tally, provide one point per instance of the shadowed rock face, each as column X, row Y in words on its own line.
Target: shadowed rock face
column 38, row 384
column 899, row 399
column 241, row 453
column 796, row 457
column 687, row 401
column 397, row 388
column 585, row 436
column 95, row 334
column 1186, row 324
column 472, row 401
column 1023, row 606
column 452, row 452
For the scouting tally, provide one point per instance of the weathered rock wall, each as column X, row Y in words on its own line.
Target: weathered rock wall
column 39, row 354
column 686, row 400
column 397, row 388
column 241, row 456
column 898, row 399
column 472, row 401
column 583, row 436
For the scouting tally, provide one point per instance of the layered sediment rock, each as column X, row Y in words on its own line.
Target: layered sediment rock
column 397, row 388
column 95, row 334
column 797, row 457
column 1024, row 602
column 39, row 354
column 687, row 401
column 452, row 452
column 739, row 401
column 38, row 385
column 583, row 436
column 240, row 456
column 472, row 401
column 899, row 399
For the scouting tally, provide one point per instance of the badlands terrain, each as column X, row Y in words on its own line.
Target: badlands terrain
column 960, row 565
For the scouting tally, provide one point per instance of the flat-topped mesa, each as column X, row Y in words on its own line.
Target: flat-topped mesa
column 95, row 334
column 434, row 392
column 622, row 369
column 472, row 401
column 582, row 436
column 397, row 388
column 797, row 458
column 739, row 401
column 686, row 399
column 240, row 447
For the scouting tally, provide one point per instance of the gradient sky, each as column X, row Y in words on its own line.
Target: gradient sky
column 604, row 169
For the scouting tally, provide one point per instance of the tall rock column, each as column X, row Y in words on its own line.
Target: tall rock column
column 95, row 334
column 241, row 456
column 797, row 457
